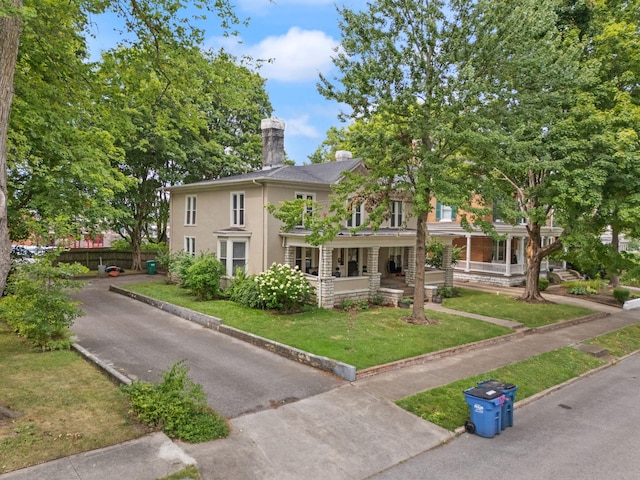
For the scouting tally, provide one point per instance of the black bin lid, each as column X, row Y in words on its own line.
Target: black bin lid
column 496, row 385
column 484, row 393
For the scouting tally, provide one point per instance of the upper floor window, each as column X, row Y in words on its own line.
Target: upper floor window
column 190, row 210
column 237, row 209
column 356, row 216
column 396, row 214
column 445, row 213
column 308, row 209
column 190, row 245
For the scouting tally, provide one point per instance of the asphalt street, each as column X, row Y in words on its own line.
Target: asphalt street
column 144, row 341
column 588, row 430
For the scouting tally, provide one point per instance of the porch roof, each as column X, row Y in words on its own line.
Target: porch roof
column 383, row 237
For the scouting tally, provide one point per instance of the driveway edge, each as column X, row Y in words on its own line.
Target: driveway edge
column 340, row 369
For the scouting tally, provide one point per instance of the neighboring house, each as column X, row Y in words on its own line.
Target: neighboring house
column 484, row 259
column 227, row 216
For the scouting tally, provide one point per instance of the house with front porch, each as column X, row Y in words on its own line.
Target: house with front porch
column 227, row 216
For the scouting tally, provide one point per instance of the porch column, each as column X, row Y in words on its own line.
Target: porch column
column 468, row 254
column 447, row 258
column 507, row 270
column 290, row 256
column 521, row 257
column 410, row 273
column 325, row 291
column 373, row 256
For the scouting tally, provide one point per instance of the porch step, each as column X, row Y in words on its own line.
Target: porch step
column 567, row 275
column 592, row 350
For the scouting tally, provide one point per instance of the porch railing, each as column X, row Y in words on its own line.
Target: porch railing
column 494, row 268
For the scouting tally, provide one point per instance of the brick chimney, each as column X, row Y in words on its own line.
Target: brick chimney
column 272, row 143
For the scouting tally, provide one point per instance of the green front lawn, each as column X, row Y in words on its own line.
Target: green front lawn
column 507, row 307
column 362, row 339
column 65, row 405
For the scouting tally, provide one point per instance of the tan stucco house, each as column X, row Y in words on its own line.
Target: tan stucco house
column 227, row 216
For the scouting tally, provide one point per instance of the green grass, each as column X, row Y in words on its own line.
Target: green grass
column 67, row 406
column 190, row 472
column 446, row 406
column 507, row 307
column 362, row 339
column 620, row 342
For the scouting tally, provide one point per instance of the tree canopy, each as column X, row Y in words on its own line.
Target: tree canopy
column 90, row 143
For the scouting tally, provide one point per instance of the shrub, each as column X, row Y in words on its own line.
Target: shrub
column 543, row 284
column 244, row 291
column 346, row 304
column 177, row 265
column 579, row 290
column 177, row 406
column 284, row 288
column 38, row 305
column 203, row 277
column 377, row 300
column 621, row 295
column 448, row 292
column 124, row 245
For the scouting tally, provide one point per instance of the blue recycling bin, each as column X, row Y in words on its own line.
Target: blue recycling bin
column 485, row 405
column 509, row 391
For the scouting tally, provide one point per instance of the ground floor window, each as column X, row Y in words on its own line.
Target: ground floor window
column 305, row 260
column 190, row 245
column 233, row 255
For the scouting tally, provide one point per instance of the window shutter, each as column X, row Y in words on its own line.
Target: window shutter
column 454, row 213
column 438, row 208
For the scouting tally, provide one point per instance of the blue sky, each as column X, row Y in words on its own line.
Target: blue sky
column 300, row 37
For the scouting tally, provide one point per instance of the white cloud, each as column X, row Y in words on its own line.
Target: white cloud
column 301, row 127
column 299, row 55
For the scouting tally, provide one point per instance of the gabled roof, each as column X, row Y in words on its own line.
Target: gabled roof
column 327, row 173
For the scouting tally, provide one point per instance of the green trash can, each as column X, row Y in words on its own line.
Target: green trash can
column 151, row 267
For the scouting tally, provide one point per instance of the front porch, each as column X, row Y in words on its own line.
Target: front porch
column 353, row 266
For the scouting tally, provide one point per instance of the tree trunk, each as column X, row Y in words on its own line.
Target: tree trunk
column 535, row 254
column 615, row 244
column 9, row 43
column 136, row 250
column 421, row 257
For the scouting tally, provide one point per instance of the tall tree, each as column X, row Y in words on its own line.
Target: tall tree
column 396, row 63
column 157, row 22
column 611, row 104
column 59, row 166
column 336, row 139
column 10, row 21
column 527, row 67
column 181, row 120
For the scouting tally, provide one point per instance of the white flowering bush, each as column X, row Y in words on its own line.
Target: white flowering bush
column 283, row 288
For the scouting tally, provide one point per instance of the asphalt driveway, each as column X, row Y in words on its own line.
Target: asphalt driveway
column 142, row 341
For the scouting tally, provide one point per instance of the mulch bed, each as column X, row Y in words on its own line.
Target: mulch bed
column 601, row 297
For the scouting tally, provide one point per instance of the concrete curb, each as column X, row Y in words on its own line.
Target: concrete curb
column 343, row 370
column 537, row 396
column 447, row 352
column 108, row 369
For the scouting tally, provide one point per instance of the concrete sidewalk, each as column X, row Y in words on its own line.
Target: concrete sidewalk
column 350, row 432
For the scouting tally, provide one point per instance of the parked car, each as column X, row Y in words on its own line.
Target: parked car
column 20, row 254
